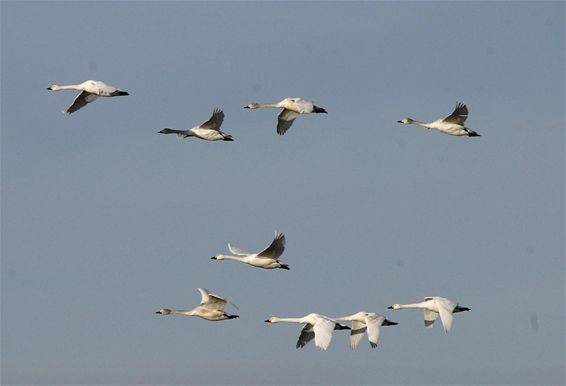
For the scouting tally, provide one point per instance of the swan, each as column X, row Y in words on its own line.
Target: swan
column 268, row 258
column 211, row 307
column 209, row 130
column 452, row 124
column 292, row 107
column 90, row 90
column 434, row 306
column 317, row 326
column 362, row 321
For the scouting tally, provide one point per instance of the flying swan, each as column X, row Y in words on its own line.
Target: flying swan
column 366, row 321
column 268, row 258
column 90, row 90
column 209, row 130
column 317, row 326
column 452, row 124
column 292, row 108
column 211, row 307
column 434, row 306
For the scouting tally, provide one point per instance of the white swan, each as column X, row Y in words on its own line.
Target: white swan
column 209, row 130
column 268, row 258
column 292, row 107
column 211, row 307
column 452, row 124
column 434, row 306
column 366, row 321
column 317, row 326
column 90, row 90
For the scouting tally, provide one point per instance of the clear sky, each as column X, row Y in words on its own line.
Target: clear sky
column 105, row 221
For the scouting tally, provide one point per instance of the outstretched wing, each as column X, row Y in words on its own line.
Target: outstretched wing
column 323, row 332
column 81, row 101
column 357, row 333
column 459, row 115
column 284, row 120
column 215, row 121
column 211, row 301
column 429, row 318
column 307, row 334
column 238, row 251
column 374, row 322
column 275, row 249
column 445, row 308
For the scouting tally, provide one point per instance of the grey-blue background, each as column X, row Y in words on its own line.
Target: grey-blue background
column 104, row 221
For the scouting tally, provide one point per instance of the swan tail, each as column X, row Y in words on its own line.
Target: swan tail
column 226, row 137
column 231, row 316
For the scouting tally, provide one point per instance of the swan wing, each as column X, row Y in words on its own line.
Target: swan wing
column 459, row 115
column 307, row 334
column 445, row 308
column 211, row 301
column 81, row 101
column 373, row 322
column 429, row 318
column 238, row 251
column 284, row 120
column 275, row 249
column 357, row 333
column 323, row 332
column 215, row 121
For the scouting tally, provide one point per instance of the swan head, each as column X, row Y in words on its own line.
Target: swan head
column 54, row 87
column 217, row 257
column 252, row 106
column 394, row 306
column 405, row 121
column 272, row 319
column 165, row 131
column 163, row 311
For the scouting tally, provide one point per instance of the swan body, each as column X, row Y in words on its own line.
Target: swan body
column 292, row 108
column 316, row 326
column 268, row 258
column 453, row 124
column 433, row 307
column 209, row 130
column 369, row 322
column 90, row 91
column 211, row 308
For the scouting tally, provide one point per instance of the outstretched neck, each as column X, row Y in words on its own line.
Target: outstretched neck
column 287, row 320
column 413, row 305
column 56, row 87
column 230, row 257
column 182, row 312
column 272, row 105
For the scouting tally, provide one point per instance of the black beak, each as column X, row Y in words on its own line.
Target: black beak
column 399, row 122
column 266, row 320
column 157, row 312
column 390, row 307
column 213, row 257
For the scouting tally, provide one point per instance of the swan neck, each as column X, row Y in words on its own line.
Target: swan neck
column 413, row 305
column 287, row 320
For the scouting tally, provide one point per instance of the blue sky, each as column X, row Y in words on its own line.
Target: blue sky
column 104, row 221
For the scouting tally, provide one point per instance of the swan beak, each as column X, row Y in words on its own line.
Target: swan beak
column 399, row 122
column 246, row 107
column 213, row 257
column 266, row 320
column 390, row 307
column 157, row 312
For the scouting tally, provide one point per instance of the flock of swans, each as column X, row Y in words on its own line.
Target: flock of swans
column 315, row 326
